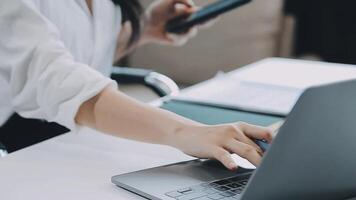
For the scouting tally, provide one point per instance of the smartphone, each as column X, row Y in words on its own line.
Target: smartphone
column 182, row 24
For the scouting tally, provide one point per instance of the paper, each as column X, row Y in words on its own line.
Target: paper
column 244, row 95
column 270, row 86
column 299, row 74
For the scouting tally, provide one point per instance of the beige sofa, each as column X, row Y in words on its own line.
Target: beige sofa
column 251, row 33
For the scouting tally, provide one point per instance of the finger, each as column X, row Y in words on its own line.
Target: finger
column 256, row 132
column 192, row 33
column 189, row 3
column 182, row 10
column 225, row 158
column 179, row 39
column 245, row 151
column 240, row 136
column 176, row 40
column 274, row 128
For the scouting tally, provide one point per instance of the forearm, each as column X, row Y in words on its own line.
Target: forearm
column 114, row 113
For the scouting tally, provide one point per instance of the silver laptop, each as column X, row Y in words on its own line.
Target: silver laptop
column 313, row 157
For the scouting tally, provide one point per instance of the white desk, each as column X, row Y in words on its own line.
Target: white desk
column 78, row 167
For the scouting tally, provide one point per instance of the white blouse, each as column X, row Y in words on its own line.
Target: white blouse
column 54, row 55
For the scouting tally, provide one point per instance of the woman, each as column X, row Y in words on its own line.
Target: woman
column 54, row 63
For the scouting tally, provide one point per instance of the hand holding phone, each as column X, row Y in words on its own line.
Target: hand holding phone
column 182, row 24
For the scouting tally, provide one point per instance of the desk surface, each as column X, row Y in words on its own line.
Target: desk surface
column 78, row 166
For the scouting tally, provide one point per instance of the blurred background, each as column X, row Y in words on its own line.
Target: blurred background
column 319, row 30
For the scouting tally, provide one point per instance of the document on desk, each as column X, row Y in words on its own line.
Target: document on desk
column 271, row 86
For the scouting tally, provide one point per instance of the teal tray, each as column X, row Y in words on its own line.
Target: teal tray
column 214, row 115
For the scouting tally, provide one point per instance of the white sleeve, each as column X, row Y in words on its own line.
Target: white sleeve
column 46, row 82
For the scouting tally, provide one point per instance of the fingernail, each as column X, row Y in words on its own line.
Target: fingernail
column 180, row 6
column 232, row 166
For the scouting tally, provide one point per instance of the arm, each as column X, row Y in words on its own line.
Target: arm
column 118, row 115
column 44, row 80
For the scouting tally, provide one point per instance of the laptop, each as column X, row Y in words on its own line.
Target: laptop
column 312, row 157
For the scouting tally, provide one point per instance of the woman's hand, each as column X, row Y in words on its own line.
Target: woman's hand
column 159, row 13
column 219, row 142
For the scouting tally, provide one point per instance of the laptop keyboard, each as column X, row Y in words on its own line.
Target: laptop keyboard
column 225, row 189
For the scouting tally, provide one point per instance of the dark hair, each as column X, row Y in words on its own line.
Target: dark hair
column 132, row 11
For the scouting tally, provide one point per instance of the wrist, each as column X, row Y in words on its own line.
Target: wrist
column 176, row 136
column 151, row 31
column 145, row 30
column 180, row 134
